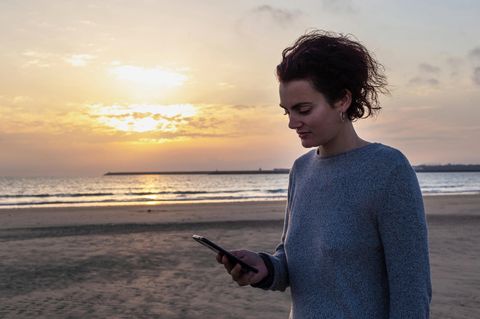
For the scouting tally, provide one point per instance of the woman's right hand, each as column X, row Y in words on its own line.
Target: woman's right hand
column 240, row 276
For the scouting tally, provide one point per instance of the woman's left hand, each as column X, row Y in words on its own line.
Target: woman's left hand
column 241, row 276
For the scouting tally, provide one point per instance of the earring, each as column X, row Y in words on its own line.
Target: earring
column 342, row 116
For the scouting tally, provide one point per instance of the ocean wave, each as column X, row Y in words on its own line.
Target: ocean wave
column 185, row 192
column 56, row 195
column 195, row 192
column 452, row 192
column 278, row 190
column 138, row 201
column 427, row 186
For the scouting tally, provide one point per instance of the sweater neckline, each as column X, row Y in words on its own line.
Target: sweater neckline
column 354, row 151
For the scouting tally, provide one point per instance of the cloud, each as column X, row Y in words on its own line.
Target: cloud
column 338, row 6
column 476, row 76
column 454, row 65
column 15, row 100
column 79, row 60
column 267, row 15
column 226, row 85
column 204, row 122
column 87, row 22
column 419, row 80
column 143, row 118
column 243, row 107
column 455, row 61
column 427, row 76
column 47, row 59
column 428, row 68
column 38, row 59
column 475, row 55
column 282, row 17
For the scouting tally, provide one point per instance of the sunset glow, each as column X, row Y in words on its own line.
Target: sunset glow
column 143, row 118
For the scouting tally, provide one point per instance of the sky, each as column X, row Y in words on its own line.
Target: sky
column 88, row 87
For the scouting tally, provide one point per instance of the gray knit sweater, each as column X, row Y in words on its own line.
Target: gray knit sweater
column 355, row 238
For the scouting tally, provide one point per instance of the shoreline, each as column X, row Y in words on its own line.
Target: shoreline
column 168, row 213
column 141, row 214
column 187, row 201
column 100, row 204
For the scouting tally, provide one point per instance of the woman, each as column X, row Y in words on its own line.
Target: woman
column 354, row 243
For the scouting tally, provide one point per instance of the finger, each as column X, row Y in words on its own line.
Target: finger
column 228, row 268
column 219, row 258
column 236, row 272
column 226, row 263
column 238, row 253
column 246, row 279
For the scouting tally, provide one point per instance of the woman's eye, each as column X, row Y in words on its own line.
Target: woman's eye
column 304, row 111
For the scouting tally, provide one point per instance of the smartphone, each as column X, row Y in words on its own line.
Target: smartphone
column 234, row 260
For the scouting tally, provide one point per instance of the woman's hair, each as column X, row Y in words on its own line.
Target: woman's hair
column 334, row 63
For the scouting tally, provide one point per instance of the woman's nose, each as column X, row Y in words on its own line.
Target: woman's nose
column 293, row 122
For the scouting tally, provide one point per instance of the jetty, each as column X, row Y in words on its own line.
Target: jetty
column 418, row 168
column 216, row 172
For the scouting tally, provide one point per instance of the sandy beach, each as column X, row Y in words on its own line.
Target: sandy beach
column 140, row 262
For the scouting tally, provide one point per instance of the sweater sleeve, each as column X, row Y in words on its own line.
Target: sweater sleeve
column 403, row 231
column 279, row 261
column 277, row 278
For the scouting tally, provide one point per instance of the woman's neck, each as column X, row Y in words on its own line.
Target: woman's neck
column 346, row 140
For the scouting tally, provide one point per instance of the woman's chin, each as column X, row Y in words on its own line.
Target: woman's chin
column 307, row 144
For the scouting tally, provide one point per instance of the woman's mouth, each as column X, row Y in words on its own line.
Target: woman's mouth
column 303, row 135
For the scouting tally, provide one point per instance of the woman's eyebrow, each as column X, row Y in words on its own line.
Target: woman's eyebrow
column 297, row 105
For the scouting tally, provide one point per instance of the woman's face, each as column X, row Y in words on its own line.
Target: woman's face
column 316, row 122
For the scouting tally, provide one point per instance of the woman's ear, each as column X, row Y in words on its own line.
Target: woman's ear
column 343, row 103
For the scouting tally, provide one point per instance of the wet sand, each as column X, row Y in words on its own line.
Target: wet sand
column 140, row 262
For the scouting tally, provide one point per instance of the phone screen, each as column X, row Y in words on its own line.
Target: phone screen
column 216, row 248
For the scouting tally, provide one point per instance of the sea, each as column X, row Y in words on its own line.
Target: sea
column 18, row 192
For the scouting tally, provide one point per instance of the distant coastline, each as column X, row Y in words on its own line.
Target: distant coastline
column 417, row 168
column 447, row 168
column 217, row 172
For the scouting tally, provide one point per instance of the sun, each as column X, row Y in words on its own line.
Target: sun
column 142, row 118
column 145, row 83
